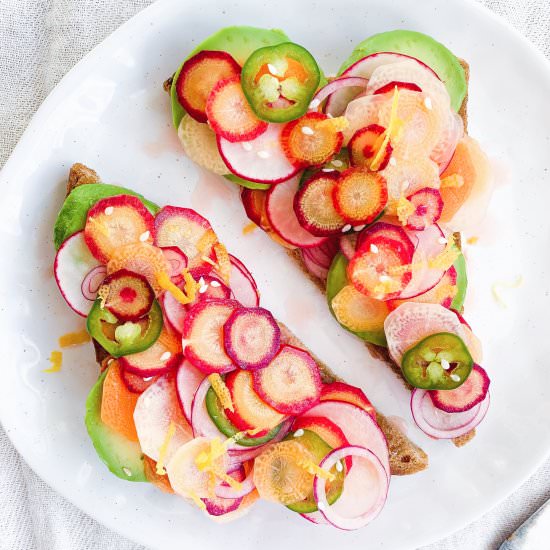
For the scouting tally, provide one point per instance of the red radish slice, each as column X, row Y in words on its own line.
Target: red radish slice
column 291, row 383
column 161, row 357
column 211, row 288
column 177, row 262
column 199, row 75
column 323, row 254
column 428, row 206
column 340, row 391
column 316, row 518
column 261, row 160
column 390, row 231
column 188, row 379
column 174, row 312
column 224, row 491
column 281, row 215
column 77, row 274
column 203, row 335
column 243, row 285
column 390, row 87
column 365, row 145
column 411, row 322
column 348, row 88
column 135, row 383
column 442, row 425
column 156, row 408
column 465, row 397
column 129, row 296
column 229, row 113
column 189, row 231
column 348, row 243
column 254, row 205
column 251, row 337
column 313, row 267
column 359, row 195
column 358, row 426
column 365, row 489
column 117, row 221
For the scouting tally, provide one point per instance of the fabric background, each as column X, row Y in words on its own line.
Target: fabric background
column 40, row 40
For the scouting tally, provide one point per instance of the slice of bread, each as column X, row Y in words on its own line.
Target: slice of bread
column 405, row 456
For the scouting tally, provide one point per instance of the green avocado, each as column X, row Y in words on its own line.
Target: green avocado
column 461, row 283
column 123, row 457
column 72, row 216
column 245, row 183
column 240, row 42
column 422, row 47
column 337, row 279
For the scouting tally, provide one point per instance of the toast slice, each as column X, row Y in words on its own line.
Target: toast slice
column 405, row 456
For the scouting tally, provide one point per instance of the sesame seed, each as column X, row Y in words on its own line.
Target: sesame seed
column 203, row 289
column 445, row 364
column 272, row 69
column 165, row 356
column 202, row 281
column 442, row 240
column 307, row 131
column 263, row 154
column 455, row 378
column 246, row 146
column 148, row 378
column 144, row 236
column 393, row 161
column 337, row 163
column 314, row 104
column 359, row 227
column 428, row 103
column 127, row 471
column 299, row 433
column 329, row 115
column 109, row 210
column 346, row 228
column 215, row 284
column 328, row 170
column 339, row 467
column 374, row 249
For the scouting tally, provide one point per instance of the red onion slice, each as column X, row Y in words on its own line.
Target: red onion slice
column 91, row 283
column 354, row 85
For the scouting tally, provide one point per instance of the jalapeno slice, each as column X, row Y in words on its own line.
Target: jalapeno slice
column 119, row 338
column 438, row 362
column 279, row 81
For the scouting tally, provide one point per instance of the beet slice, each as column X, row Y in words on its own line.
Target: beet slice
column 389, row 230
column 251, row 337
column 365, row 144
column 291, row 383
column 428, row 206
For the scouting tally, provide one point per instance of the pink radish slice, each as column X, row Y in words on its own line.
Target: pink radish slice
column 92, row 282
column 251, row 337
column 72, row 265
column 177, row 262
column 465, row 397
column 220, row 505
column 413, row 321
column 358, row 427
column 156, row 359
column 156, row 408
column 136, row 383
column 365, row 489
column 428, row 206
column 315, row 517
column 261, row 160
column 314, row 268
column 442, row 425
column 223, row 490
column 243, row 285
column 188, row 379
column 211, row 288
column 281, row 215
column 348, row 88
column 323, row 254
column 174, row 312
column 389, row 231
column 444, row 150
column 348, row 245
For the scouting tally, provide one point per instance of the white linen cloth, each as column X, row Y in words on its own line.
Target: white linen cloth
column 40, row 40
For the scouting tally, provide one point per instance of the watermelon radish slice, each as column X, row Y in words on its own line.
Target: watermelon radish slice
column 188, row 380
column 340, row 391
column 77, row 274
column 365, row 489
column 117, row 221
column 428, row 206
column 199, row 75
column 203, row 335
column 177, row 262
column 291, row 383
column 243, row 285
column 156, row 408
column 261, row 160
column 468, row 395
column 314, row 205
column 390, row 87
column 442, row 425
column 229, row 113
column 251, row 337
column 283, row 219
column 221, row 505
column 390, row 231
column 358, row 427
column 349, row 87
column 412, row 321
column 136, row 383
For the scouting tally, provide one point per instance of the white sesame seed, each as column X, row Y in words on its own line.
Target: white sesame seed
column 393, row 161
column 144, row 236
column 384, row 278
column 109, row 210
column 337, row 163
column 215, row 284
column 328, row 170
column 127, row 471
column 445, row 364
column 442, row 240
column 165, row 356
column 272, row 69
column 299, row 433
column 203, row 289
column 329, row 115
column 246, row 146
column 455, row 378
column 406, row 184
column 374, row 249
column 314, row 104
column 148, row 378
column 346, row 228
column 428, row 103
column 359, row 227
column 339, row 467
column 307, row 131
column 263, row 154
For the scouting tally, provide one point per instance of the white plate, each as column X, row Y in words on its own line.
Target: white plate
column 111, row 113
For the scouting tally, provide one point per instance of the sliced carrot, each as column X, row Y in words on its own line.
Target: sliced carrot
column 358, row 312
column 118, row 404
column 161, row 482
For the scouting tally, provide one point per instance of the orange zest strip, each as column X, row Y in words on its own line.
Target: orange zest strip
column 56, row 359
column 74, row 339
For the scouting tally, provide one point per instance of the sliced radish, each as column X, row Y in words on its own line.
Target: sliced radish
column 411, row 322
column 467, row 396
column 390, row 87
column 452, row 134
column 340, row 391
column 314, row 205
column 316, row 518
column 291, row 383
column 280, row 211
column 442, row 425
column 117, row 221
column 261, row 160
column 243, row 285
column 360, row 196
column 199, row 75
column 251, row 337
column 77, row 274
column 136, row 383
column 211, row 288
column 363, row 112
column 358, row 426
column 428, row 206
column 174, row 312
column 156, row 408
column 323, row 254
column 254, row 205
column 313, row 267
column 221, row 505
column 390, row 231
column 348, row 243
column 202, row 424
column 348, row 87
column 203, row 335
column 177, row 262
column 224, row 491
column 229, row 113
column 365, row 144
column 188, row 379
column 365, row 489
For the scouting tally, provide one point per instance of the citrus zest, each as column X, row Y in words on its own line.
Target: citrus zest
column 312, row 468
column 405, row 208
column 249, row 228
column 163, row 280
column 222, row 391
column 197, row 500
column 454, row 180
column 394, row 127
column 74, row 339
column 224, row 262
column 56, row 359
column 159, row 469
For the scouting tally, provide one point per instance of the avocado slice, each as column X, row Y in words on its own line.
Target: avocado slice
column 461, row 283
column 422, row 47
column 123, row 457
column 72, row 216
column 337, row 279
column 245, row 183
